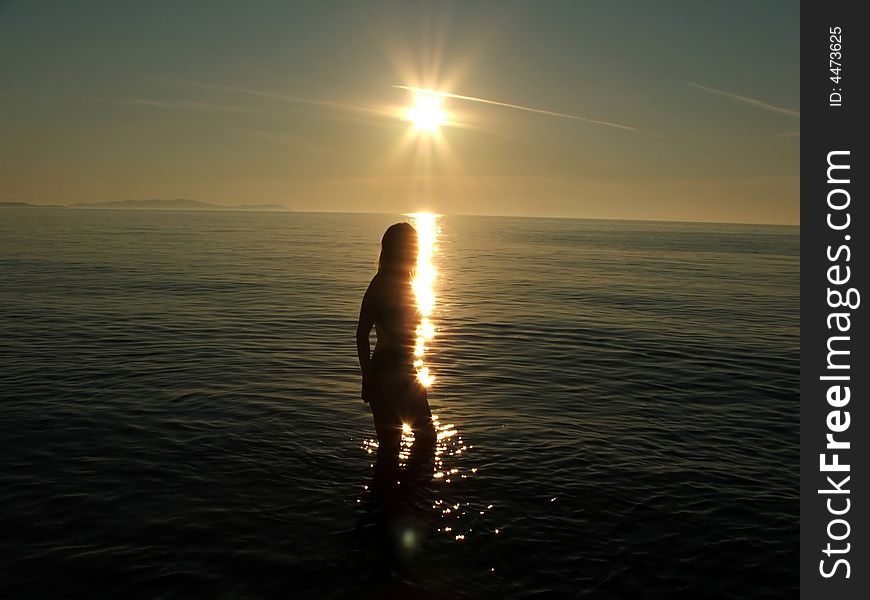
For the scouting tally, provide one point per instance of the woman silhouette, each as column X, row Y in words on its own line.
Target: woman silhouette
column 389, row 379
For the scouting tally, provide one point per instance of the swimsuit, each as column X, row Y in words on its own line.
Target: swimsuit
column 399, row 396
column 393, row 358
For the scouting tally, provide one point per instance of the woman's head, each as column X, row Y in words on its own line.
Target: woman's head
column 398, row 249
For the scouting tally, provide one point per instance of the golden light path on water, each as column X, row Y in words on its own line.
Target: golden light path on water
column 459, row 519
column 423, row 284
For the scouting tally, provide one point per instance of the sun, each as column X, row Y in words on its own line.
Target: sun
column 426, row 114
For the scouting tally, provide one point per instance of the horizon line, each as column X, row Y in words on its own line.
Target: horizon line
column 242, row 208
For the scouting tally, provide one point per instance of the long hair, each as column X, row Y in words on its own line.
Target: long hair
column 398, row 249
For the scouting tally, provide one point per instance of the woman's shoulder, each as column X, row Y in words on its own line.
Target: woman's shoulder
column 376, row 286
column 384, row 280
column 383, row 286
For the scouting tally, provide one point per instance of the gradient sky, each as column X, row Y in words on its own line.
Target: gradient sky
column 294, row 103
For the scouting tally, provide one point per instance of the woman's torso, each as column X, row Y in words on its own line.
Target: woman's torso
column 397, row 316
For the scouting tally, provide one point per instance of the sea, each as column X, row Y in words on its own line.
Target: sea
column 617, row 407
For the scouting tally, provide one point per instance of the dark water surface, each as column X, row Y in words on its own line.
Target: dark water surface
column 618, row 406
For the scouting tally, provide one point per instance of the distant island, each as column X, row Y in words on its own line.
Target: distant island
column 177, row 204
column 151, row 204
column 29, row 205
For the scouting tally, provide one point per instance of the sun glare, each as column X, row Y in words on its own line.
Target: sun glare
column 426, row 114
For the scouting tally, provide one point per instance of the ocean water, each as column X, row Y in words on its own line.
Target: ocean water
column 617, row 404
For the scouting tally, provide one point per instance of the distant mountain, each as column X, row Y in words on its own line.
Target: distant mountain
column 177, row 204
column 29, row 205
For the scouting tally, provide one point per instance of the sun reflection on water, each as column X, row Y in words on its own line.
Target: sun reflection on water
column 423, row 284
column 407, row 442
column 458, row 520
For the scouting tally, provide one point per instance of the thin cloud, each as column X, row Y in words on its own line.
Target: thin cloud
column 286, row 98
column 746, row 100
column 145, row 102
column 531, row 109
column 182, row 105
column 390, row 114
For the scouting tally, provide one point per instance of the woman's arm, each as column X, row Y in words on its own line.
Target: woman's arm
column 367, row 314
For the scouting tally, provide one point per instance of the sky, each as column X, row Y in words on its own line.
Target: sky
column 664, row 111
